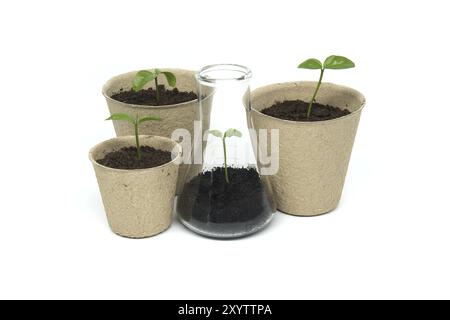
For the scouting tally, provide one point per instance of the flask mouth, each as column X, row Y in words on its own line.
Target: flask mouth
column 223, row 73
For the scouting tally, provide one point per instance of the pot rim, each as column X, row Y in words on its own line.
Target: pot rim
column 310, row 123
column 137, row 106
column 176, row 145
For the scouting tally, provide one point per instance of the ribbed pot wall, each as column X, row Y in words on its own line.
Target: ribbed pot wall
column 138, row 203
column 314, row 156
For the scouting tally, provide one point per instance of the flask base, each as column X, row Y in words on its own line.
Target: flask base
column 225, row 235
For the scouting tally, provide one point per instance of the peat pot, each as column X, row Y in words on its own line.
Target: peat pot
column 138, row 203
column 175, row 116
column 314, row 156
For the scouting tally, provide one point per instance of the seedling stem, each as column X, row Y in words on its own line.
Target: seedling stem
column 136, row 122
column 228, row 134
column 332, row 62
column 145, row 76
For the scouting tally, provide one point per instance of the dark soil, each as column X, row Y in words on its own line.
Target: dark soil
column 148, row 97
column 126, row 158
column 209, row 203
column 296, row 110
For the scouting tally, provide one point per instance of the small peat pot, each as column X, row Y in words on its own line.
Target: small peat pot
column 135, row 93
column 314, row 153
column 138, row 194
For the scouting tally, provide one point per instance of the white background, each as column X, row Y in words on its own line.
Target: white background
column 389, row 238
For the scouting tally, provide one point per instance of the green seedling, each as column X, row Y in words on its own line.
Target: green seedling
column 228, row 134
column 332, row 62
column 145, row 76
column 136, row 122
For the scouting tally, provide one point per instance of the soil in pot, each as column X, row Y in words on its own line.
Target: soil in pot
column 296, row 110
column 222, row 209
column 126, row 158
column 147, row 97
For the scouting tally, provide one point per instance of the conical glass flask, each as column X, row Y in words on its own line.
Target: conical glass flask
column 225, row 196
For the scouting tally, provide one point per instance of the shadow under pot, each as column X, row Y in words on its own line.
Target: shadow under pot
column 138, row 195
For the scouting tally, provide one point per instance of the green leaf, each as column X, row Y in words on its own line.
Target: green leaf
column 142, row 78
column 216, row 133
column 338, row 62
column 122, row 117
column 170, row 77
column 233, row 133
column 310, row 64
column 148, row 118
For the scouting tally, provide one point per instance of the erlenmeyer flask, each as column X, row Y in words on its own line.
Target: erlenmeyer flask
column 227, row 198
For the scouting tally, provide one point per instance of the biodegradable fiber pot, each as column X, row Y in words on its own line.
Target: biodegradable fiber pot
column 138, row 203
column 175, row 116
column 314, row 156
column 181, row 115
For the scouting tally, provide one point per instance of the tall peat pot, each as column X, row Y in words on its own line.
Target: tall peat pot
column 138, row 203
column 314, row 156
column 174, row 116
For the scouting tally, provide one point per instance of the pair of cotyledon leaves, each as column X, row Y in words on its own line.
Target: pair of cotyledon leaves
column 145, row 76
column 332, row 62
column 228, row 134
